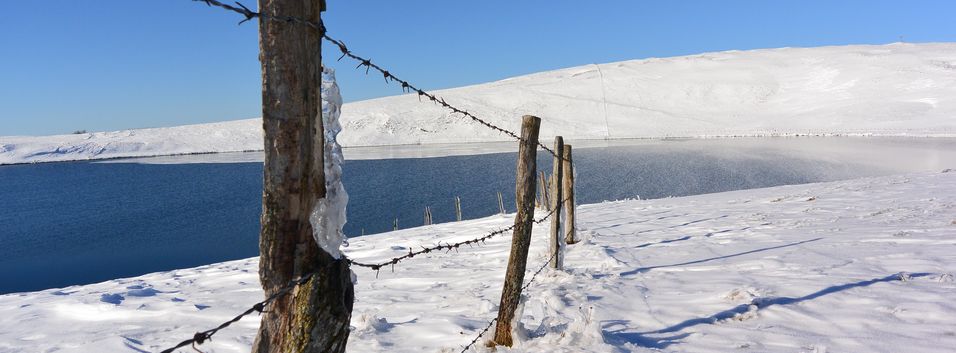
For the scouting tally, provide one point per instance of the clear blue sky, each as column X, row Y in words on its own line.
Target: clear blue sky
column 115, row 64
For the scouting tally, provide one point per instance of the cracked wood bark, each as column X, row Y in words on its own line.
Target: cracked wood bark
column 521, row 240
column 568, row 185
column 556, row 235
column 314, row 317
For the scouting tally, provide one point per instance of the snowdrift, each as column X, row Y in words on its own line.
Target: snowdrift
column 862, row 265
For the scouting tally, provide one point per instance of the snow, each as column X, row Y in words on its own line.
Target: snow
column 898, row 89
column 861, row 265
column 328, row 214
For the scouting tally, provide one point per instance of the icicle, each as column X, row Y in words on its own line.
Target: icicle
column 328, row 216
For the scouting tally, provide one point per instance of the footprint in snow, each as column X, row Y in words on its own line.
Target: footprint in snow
column 144, row 292
column 115, row 299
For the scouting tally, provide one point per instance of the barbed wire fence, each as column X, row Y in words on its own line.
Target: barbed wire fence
column 407, row 87
column 369, row 65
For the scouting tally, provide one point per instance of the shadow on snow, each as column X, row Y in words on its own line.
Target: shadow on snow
column 645, row 269
column 671, row 335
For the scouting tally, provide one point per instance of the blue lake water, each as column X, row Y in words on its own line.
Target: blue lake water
column 84, row 222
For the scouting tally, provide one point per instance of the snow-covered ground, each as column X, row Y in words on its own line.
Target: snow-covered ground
column 895, row 89
column 862, row 265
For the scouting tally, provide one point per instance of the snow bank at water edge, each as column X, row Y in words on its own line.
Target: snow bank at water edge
column 897, row 89
column 852, row 266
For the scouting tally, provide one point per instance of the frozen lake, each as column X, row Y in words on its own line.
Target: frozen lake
column 83, row 222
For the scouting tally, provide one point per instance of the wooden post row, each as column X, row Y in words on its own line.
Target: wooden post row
column 521, row 239
column 428, row 216
column 556, row 235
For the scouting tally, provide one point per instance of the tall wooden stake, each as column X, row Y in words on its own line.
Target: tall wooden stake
column 568, row 181
column 314, row 317
column 556, row 235
column 543, row 186
column 458, row 208
column 428, row 215
column 521, row 239
column 501, row 204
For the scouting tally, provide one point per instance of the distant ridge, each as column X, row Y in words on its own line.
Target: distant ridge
column 893, row 89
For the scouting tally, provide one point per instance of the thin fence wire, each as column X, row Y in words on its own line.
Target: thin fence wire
column 448, row 247
column 492, row 322
column 203, row 336
column 369, row 65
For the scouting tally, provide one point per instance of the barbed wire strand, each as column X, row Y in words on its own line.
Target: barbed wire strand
column 369, row 65
column 203, row 336
column 492, row 322
column 482, row 333
column 448, row 247
column 408, row 87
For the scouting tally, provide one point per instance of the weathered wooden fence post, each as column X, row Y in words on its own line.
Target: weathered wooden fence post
column 568, row 187
column 428, row 216
column 501, row 204
column 521, row 239
column 543, row 187
column 556, row 235
column 395, row 224
column 458, row 208
column 313, row 317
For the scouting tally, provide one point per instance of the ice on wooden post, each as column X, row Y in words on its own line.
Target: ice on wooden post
column 328, row 215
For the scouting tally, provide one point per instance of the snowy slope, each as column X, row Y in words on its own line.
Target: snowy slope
column 229, row 136
column 895, row 89
column 804, row 268
column 882, row 89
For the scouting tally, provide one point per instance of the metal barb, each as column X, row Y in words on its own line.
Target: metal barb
column 201, row 337
column 447, row 246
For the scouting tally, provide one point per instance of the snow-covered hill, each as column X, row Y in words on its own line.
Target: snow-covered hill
column 229, row 136
column 894, row 89
column 852, row 266
column 863, row 89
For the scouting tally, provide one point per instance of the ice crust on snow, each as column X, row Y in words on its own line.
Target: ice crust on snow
column 329, row 214
column 899, row 89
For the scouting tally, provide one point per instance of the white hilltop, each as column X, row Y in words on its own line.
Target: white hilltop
column 894, row 89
